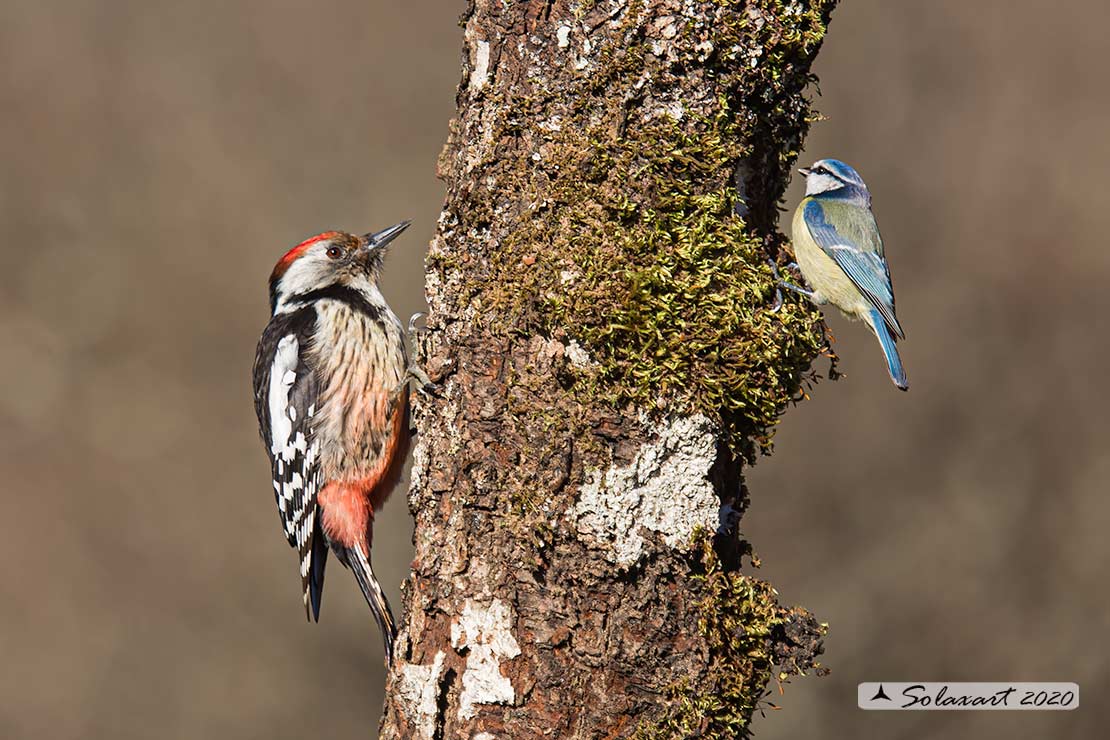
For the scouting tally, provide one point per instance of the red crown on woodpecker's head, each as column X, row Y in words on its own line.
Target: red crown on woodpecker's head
column 291, row 256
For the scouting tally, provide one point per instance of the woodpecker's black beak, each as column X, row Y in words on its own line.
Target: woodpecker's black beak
column 804, row 170
column 379, row 239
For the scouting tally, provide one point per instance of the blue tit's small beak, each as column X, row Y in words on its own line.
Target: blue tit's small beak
column 380, row 238
column 804, row 170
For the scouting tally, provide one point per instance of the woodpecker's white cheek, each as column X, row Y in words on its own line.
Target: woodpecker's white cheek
column 283, row 373
column 304, row 275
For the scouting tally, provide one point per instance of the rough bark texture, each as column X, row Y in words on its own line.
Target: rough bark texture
column 602, row 332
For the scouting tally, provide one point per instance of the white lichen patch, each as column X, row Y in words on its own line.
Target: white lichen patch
column 419, row 687
column 665, row 489
column 479, row 74
column 577, row 355
column 486, row 634
column 419, row 465
column 584, row 60
column 562, row 33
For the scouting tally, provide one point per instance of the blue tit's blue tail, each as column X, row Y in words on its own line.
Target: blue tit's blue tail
column 893, row 361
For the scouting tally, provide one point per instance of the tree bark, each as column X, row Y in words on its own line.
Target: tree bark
column 604, row 333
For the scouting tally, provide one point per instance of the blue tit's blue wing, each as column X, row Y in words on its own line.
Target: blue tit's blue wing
column 847, row 233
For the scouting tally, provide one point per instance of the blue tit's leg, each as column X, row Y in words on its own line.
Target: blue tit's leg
column 813, row 295
column 778, row 299
column 778, row 291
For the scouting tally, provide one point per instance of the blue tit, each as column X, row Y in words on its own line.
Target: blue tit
column 840, row 255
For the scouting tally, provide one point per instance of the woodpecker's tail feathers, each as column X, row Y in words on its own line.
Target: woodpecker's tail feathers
column 375, row 599
column 313, row 561
column 890, row 351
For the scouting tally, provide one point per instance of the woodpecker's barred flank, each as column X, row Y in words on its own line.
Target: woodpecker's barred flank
column 331, row 395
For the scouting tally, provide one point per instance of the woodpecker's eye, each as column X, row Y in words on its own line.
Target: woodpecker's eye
column 334, row 252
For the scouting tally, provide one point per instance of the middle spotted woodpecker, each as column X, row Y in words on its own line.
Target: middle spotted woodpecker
column 331, row 394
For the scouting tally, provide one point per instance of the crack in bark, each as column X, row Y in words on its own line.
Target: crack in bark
column 442, row 703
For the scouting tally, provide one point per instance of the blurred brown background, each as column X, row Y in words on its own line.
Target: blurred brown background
column 158, row 158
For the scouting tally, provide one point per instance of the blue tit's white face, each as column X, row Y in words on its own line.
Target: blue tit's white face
column 830, row 175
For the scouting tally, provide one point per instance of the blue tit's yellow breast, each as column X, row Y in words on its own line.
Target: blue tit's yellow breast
column 822, row 273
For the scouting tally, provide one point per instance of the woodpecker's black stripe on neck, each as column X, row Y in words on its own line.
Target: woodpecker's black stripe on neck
column 343, row 294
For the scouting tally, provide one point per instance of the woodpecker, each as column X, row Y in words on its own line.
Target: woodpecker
column 331, row 394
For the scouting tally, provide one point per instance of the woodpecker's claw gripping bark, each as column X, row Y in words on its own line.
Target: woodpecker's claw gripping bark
column 424, row 384
column 412, row 327
column 414, row 372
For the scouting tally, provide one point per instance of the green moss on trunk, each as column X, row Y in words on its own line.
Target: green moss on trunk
column 629, row 229
column 740, row 619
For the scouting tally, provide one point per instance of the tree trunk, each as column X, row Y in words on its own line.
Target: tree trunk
column 604, row 335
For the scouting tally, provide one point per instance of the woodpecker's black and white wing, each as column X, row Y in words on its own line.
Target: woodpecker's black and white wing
column 286, row 396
